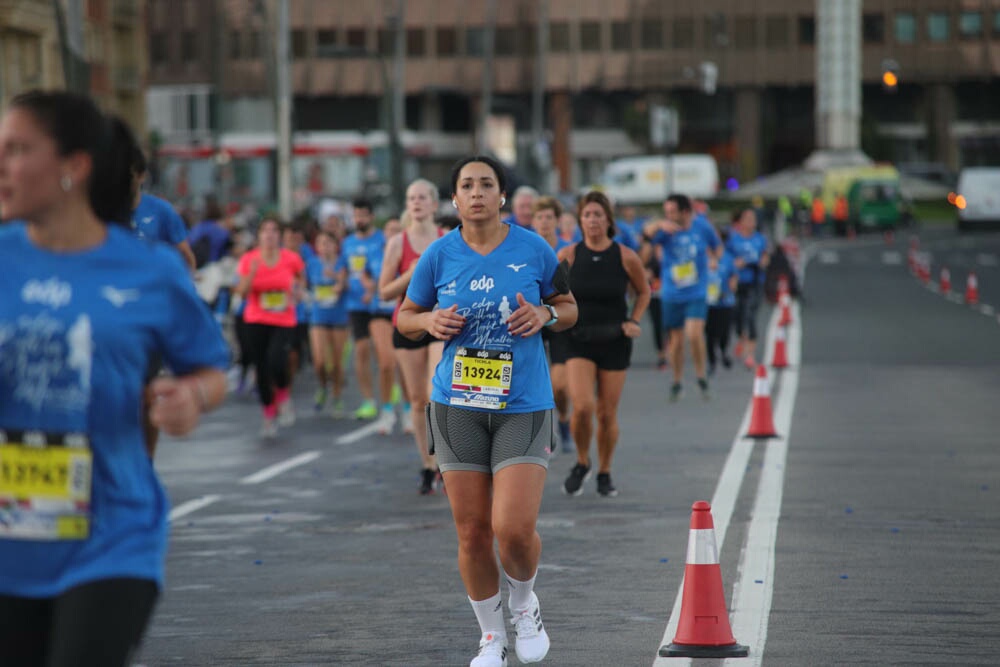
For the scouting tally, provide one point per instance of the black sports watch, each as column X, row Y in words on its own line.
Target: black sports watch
column 553, row 313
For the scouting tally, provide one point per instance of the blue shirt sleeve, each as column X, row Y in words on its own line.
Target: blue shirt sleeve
column 174, row 230
column 711, row 238
column 199, row 342
column 422, row 290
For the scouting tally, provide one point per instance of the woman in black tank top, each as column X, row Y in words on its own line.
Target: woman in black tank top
column 600, row 348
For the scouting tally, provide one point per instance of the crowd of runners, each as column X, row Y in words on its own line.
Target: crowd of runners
column 495, row 340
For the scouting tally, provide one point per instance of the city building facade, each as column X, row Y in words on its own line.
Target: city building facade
column 740, row 74
column 113, row 35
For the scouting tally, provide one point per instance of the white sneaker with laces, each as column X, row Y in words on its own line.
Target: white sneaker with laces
column 268, row 428
column 532, row 644
column 386, row 422
column 286, row 413
column 492, row 651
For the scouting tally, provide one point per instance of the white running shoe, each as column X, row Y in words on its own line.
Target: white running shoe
column 386, row 422
column 407, row 421
column 286, row 413
column 492, row 651
column 268, row 428
column 532, row 644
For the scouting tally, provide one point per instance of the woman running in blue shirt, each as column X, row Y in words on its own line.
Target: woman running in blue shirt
column 83, row 517
column 496, row 286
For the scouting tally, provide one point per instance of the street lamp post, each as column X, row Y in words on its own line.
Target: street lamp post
column 388, row 116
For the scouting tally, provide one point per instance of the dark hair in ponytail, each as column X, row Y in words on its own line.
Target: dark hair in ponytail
column 75, row 124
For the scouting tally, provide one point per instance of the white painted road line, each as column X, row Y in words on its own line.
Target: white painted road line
column 987, row 309
column 892, row 257
column 829, row 257
column 734, row 470
column 274, row 470
column 755, row 585
column 358, row 434
column 192, row 506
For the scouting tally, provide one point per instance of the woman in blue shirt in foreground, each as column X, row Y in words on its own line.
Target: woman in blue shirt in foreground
column 85, row 305
column 495, row 287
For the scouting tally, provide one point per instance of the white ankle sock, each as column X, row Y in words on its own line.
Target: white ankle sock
column 520, row 592
column 489, row 613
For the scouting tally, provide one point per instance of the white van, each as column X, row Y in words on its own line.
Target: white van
column 978, row 198
column 648, row 179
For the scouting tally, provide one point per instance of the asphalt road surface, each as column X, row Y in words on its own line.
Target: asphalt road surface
column 869, row 533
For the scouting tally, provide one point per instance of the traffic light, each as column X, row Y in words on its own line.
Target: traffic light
column 890, row 75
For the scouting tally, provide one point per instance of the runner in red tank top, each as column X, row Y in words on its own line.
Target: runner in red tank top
column 417, row 359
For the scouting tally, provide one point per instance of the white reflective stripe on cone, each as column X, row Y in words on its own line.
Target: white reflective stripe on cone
column 701, row 547
column 761, row 387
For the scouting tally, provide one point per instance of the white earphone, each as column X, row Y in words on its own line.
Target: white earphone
column 503, row 200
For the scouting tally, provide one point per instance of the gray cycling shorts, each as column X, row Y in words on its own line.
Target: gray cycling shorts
column 486, row 442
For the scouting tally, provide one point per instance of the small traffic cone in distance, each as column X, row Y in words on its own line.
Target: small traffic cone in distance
column 780, row 357
column 972, row 289
column 786, row 310
column 703, row 630
column 761, row 419
column 945, row 282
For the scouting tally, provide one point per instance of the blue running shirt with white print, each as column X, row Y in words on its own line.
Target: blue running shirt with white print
column 356, row 256
column 79, row 498
column 484, row 367
column 684, row 266
column 156, row 219
column 328, row 300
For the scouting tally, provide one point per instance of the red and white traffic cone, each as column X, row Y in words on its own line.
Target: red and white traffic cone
column 703, row 630
column 786, row 310
column 761, row 419
column 972, row 289
column 780, row 357
column 945, row 282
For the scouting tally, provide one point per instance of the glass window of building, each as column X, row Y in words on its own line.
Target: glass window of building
column 937, row 26
column 873, row 28
column 746, row 32
column 415, row 44
column 683, row 33
column 527, row 42
column 807, row 31
column 326, row 40
column 559, row 37
column 651, row 34
column 474, row 42
column 621, row 36
column 996, row 23
column 255, row 45
column 970, row 25
column 446, row 42
column 356, row 38
column 505, row 41
column 300, row 44
column 776, row 32
column 905, row 28
column 590, row 36
column 716, row 32
column 189, row 46
column 158, row 52
column 386, row 41
column 235, row 44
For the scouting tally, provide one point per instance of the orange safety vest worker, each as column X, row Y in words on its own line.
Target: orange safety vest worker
column 818, row 211
column 840, row 208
